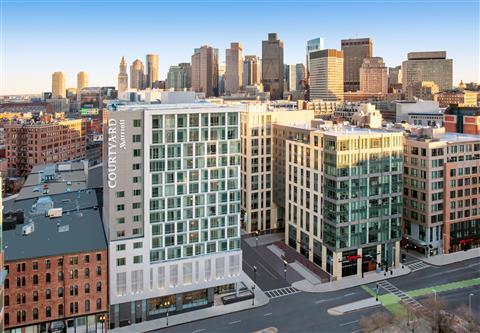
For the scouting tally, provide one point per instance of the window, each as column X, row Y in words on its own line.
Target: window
column 87, row 272
column 99, row 257
column 120, row 207
column 120, row 194
column 137, row 123
column 48, row 294
column 136, row 205
column 60, row 276
column 99, row 271
column 48, row 312
column 35, row 313
column 121, row 261
column 121, row 283
column 121, row 247
column 48, row 278
column 35, row 279
column 60, row 309
column 6, row 300
column 87, row 305
column 137, row 245
column 35, row 265
column 136, row 138
column 35, row 296
column 60, row 292
column 137, row 259
column 99, row 287
column 86, row 288
column 99, row 304
column 137, row 192
column 86, row 258
column 136, row 166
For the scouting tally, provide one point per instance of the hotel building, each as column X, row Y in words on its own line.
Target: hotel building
column 171, row 208
column 259, row 212
column 343, row 198
column 441, row 175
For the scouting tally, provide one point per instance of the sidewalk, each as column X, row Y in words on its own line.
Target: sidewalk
column 354, row 306
column 264, row 239
column 260, row 300
column 451, row 258
column 349, row 281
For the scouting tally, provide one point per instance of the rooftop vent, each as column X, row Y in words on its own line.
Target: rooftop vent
column 64, row 228
column 28, row 229
column 54, row 212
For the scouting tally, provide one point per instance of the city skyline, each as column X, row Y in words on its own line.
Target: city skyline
column 34, row 50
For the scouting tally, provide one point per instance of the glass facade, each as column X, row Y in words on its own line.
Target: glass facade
column 194, row 167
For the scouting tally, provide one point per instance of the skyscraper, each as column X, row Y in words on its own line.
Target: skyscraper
column 137, row 76
column 394, row 75
column 316, row 44
column 252, row 71
column 290, row 75
column 82, row 81
column 58, row 85
column 205, row 70
column 234, row 68
column 354, row 51
column 428, row 66
column 152, row 69
column 172, row 211
column 326, row 76
column 180, row 77
column 272, row 66
column 300, row 73
column 373, row 76
column 122, row 79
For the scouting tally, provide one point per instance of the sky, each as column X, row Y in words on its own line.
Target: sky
column 41, row 37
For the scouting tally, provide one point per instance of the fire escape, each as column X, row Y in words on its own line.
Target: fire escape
column 22, row 152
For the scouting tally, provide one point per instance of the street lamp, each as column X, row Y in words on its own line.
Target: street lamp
column 166, row 304
column 376, row 292
column 253, row 292
column 470, row 303
column 101, row 319
column 285, row 268
column 256, row 238
column 254, row 274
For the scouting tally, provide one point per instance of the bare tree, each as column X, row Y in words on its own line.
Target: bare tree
column 379, row 321
column 471, row 323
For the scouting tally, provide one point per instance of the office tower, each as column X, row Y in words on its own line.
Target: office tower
column 424, row 90
column 252, row 71
column 180, row 77
column 394, row 75
column 221, row 78
column 428, row 66
column 272, row 66
column 373, row 76
column 441, row 173
column 316, row 44
column 82, row 81
column 344, row 198
column 257, row 159
column 152, row 70
column 234, row 68
column 458, row 97
column 300, row 73
column 326, row 76
column 137, row 76
column 354, row 51
column 57, row 251
column 58, row 85
column 290, row 77
column 205, row 70
column 172, row 207
column 122, row 79
column 462, row 119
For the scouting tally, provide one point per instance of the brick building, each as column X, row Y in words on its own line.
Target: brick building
column 32, row 143
column 56, row 263
column 462, row 119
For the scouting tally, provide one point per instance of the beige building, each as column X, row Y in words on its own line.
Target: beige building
column 58, row 85
column 137, row 75
column 425, row 90
column 326, row 75
column 252, row 70
column 152, row 69
column 456, row 96
column 428, row 66
column 272, row 66
column 394, row 75
column 373, row 76
column 122, row 79
column 82, row 81
column 354, row 51
column 234, row 69
column 343, row 196
column 257, row 177
column 205, row 70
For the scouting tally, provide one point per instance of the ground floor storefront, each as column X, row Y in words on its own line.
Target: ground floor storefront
column 128, row 313
column 83, row 324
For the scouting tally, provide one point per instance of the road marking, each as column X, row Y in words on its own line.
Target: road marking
column 200, row 330
column 349, row 323
column 234, row 322
column 321, row 301
column 333, row 299
column 265, row 268
column 267, row 314
column 357, row 331
column 244, row 261
column 349, row 294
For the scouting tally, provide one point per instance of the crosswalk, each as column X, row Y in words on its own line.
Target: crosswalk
column 413, row 303
column 418, row 265
column 280, row 292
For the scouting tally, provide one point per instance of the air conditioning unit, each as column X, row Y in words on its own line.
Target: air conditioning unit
column 54, row 212
column 28, row 229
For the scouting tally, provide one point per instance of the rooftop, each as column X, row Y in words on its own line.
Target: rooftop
column 186, row 106
column 78, row 227
column 54, row 179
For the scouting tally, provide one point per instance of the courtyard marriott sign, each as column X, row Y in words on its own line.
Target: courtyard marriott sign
column 115, row 140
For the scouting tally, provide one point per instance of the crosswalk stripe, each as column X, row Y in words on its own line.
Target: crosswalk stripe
column 281, row 292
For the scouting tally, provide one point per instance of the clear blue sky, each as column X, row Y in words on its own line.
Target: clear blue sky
column 40, row 37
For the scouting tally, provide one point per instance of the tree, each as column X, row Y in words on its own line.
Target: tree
column 379, row 321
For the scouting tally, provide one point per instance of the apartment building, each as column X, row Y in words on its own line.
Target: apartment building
column 30, row 143
column 441, row 177
column 56, row 263
column 258, row 209
column 458, row 97
column 343, row 198
column 462, row 119
column 172, row 208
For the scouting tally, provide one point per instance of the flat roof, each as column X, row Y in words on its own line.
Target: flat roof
column 179, row 106
column 79, row 229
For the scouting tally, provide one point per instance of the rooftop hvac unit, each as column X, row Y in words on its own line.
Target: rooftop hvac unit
column 28, row 229
column 54, row 212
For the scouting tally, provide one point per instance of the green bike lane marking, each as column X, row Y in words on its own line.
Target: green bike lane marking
column 392, row 302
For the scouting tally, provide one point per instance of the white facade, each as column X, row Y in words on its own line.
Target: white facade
column 171, row 201
column 404, row 108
